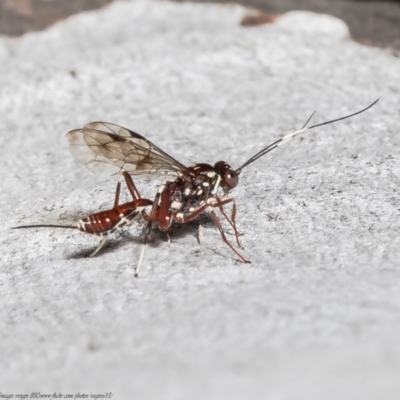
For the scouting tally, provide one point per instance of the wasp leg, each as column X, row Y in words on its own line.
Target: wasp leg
column 100, row 246
column 145, row 216
column 117, row 192
column 221, row 230
column 131, row 186
column 152, row 218
column 134, row 192
column 218, row 204
column 231, row 220
column 200, row 233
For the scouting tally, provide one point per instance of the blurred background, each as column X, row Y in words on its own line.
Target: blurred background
column 375, row 23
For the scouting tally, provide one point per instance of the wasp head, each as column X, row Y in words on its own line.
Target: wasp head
column 229, row 177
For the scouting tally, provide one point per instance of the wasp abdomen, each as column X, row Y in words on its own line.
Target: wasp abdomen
column 111, row 220
column 100, row 222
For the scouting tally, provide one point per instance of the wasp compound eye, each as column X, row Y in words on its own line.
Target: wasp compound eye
column 229, row 177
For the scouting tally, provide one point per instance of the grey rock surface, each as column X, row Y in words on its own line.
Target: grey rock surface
column 317, row 313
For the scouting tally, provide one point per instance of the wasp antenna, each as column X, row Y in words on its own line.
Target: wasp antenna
column 309, row 119
column 345, row 117
column 45, row 226
column 290, row 136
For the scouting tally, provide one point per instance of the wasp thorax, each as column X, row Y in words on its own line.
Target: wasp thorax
column 229, row 177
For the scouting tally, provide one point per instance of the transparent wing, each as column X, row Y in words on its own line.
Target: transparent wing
column 106, row 147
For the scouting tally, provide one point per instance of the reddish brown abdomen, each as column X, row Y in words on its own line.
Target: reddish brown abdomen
column 100, row 222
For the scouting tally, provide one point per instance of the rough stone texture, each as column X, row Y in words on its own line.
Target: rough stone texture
column 375, row 23
column 315, row 316
column 20, row 16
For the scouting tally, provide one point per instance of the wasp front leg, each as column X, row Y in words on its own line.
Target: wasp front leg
column 231, row 220
column 219, row 204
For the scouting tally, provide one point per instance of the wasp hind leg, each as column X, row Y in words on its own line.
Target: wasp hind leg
column 100, row 246
column 151, row 218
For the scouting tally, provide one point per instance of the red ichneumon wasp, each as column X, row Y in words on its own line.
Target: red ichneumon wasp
column 193, row 191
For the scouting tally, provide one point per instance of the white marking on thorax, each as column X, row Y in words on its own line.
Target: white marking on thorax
column 176, row 205
column 216, row 185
